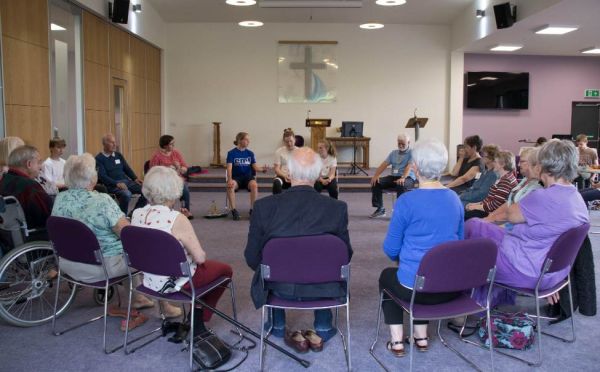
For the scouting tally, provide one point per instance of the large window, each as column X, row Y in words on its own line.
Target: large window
column 66, row 74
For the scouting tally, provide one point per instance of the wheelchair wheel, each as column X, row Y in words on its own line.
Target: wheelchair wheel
column 99, row 295
column 28, row 284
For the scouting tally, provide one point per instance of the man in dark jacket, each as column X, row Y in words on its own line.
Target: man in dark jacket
column 19, row 181
column 117, row 175
column 297, row 212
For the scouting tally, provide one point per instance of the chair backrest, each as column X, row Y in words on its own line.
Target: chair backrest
column 73, row 240
column 305, row 259
column 563, row 252
column 298, row 140
column 154, row 251
column 456, row 266
column 12, row 220
column 146, row 166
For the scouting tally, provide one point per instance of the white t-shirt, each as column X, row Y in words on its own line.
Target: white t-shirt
column 328, row 163
column 281, row 158
column 52, row 170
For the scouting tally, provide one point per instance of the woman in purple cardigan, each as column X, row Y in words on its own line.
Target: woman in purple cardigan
column 536, row 221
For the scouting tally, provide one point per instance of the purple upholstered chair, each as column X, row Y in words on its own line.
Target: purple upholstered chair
column 456, row 266
column 74, row 241
column 307, row 260
column 562, row 254
column 160, row 253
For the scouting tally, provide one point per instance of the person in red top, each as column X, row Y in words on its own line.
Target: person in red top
column 168, row 156
column 24, row 166
column 498, row 194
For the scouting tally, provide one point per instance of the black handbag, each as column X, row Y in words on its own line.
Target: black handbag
column 209, row 351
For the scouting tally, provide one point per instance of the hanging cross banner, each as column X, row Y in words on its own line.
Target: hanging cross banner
column 307, row 71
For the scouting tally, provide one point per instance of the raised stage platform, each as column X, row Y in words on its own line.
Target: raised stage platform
column 214, row 181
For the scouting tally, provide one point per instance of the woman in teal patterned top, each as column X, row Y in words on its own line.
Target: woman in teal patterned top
column 100, row 213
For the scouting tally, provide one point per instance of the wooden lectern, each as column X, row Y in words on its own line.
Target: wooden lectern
column 416, row 123
column 317, row 130
column 216, row 161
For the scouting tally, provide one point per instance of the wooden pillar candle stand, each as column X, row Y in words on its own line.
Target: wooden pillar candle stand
column 216, row 160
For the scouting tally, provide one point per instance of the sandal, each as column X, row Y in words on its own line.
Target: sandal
column 398, row 353
column 421, row 348
column 134, row 321
column 142, row 303
column 121, row 313
column 315, row 342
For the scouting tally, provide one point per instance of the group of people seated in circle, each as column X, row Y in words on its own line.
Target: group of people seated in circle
column 483, row 199
column 242, row 169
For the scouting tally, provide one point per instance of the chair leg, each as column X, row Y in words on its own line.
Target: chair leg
column 192, row 309
column 234, row 310
column 348, row 353
column 371, row 349
column 128, row 318
column 261, row 356
column 56, row 304
column 411, row 341
column 455, row 351
column 564, row 339
column 105, row 316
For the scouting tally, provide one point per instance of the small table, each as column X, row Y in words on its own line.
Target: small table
column 361, row 142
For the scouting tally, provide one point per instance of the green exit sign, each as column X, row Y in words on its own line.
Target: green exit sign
column 592, row 93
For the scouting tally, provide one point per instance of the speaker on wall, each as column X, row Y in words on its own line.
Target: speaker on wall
column 505, row 17
column 120, row 11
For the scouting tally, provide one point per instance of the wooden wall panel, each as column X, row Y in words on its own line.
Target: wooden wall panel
column 153, row 63
column 138, row 94
column 120, row 58
column 97, row 124
column 25, row 20
column 152, row 131
column 95, row 39
column 138, row 56
column 31, row 123
column 26, row 77
column 138, row 157
column 97, row 85
column 153, row 97
column 138, row 131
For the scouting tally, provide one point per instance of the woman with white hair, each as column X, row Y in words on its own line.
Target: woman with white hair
column 103, row 216
column 422, row 219
column 162, row 188
column 536, row 221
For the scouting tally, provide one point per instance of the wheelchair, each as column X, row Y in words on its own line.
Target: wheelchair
column 28, row 271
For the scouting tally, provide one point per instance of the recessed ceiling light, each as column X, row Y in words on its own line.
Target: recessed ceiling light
column 250, row 23
column 55, row 27
column 489, row 78
column 371, row 26
column 390, row 2
column 241, row 2
column 555, row 30
column 506, row 48
column 592, row 50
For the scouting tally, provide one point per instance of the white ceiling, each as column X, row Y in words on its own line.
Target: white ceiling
column 582, row 13
column 413, row 12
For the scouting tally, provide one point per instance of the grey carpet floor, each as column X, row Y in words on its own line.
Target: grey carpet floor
column 35, row 349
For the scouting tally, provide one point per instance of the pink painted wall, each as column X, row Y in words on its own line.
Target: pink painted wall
column 554, row 83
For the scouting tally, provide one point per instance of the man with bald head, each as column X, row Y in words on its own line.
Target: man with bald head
column 298, row 211
column 402, row 177
column 116, row 175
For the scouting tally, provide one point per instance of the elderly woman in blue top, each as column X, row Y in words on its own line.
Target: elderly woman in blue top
column 401, row 179
column 422, row 219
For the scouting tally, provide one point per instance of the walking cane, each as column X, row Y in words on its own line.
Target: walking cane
column 303, row 362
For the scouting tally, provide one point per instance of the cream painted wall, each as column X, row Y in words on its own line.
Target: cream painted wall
column 221, row 72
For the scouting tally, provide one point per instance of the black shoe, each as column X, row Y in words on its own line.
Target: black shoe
column 379, row 212
column 235, row 215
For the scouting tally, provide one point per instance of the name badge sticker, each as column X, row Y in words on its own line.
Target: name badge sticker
column 117, row 161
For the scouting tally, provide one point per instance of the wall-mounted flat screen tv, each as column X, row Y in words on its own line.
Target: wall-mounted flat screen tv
column 497, row 90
